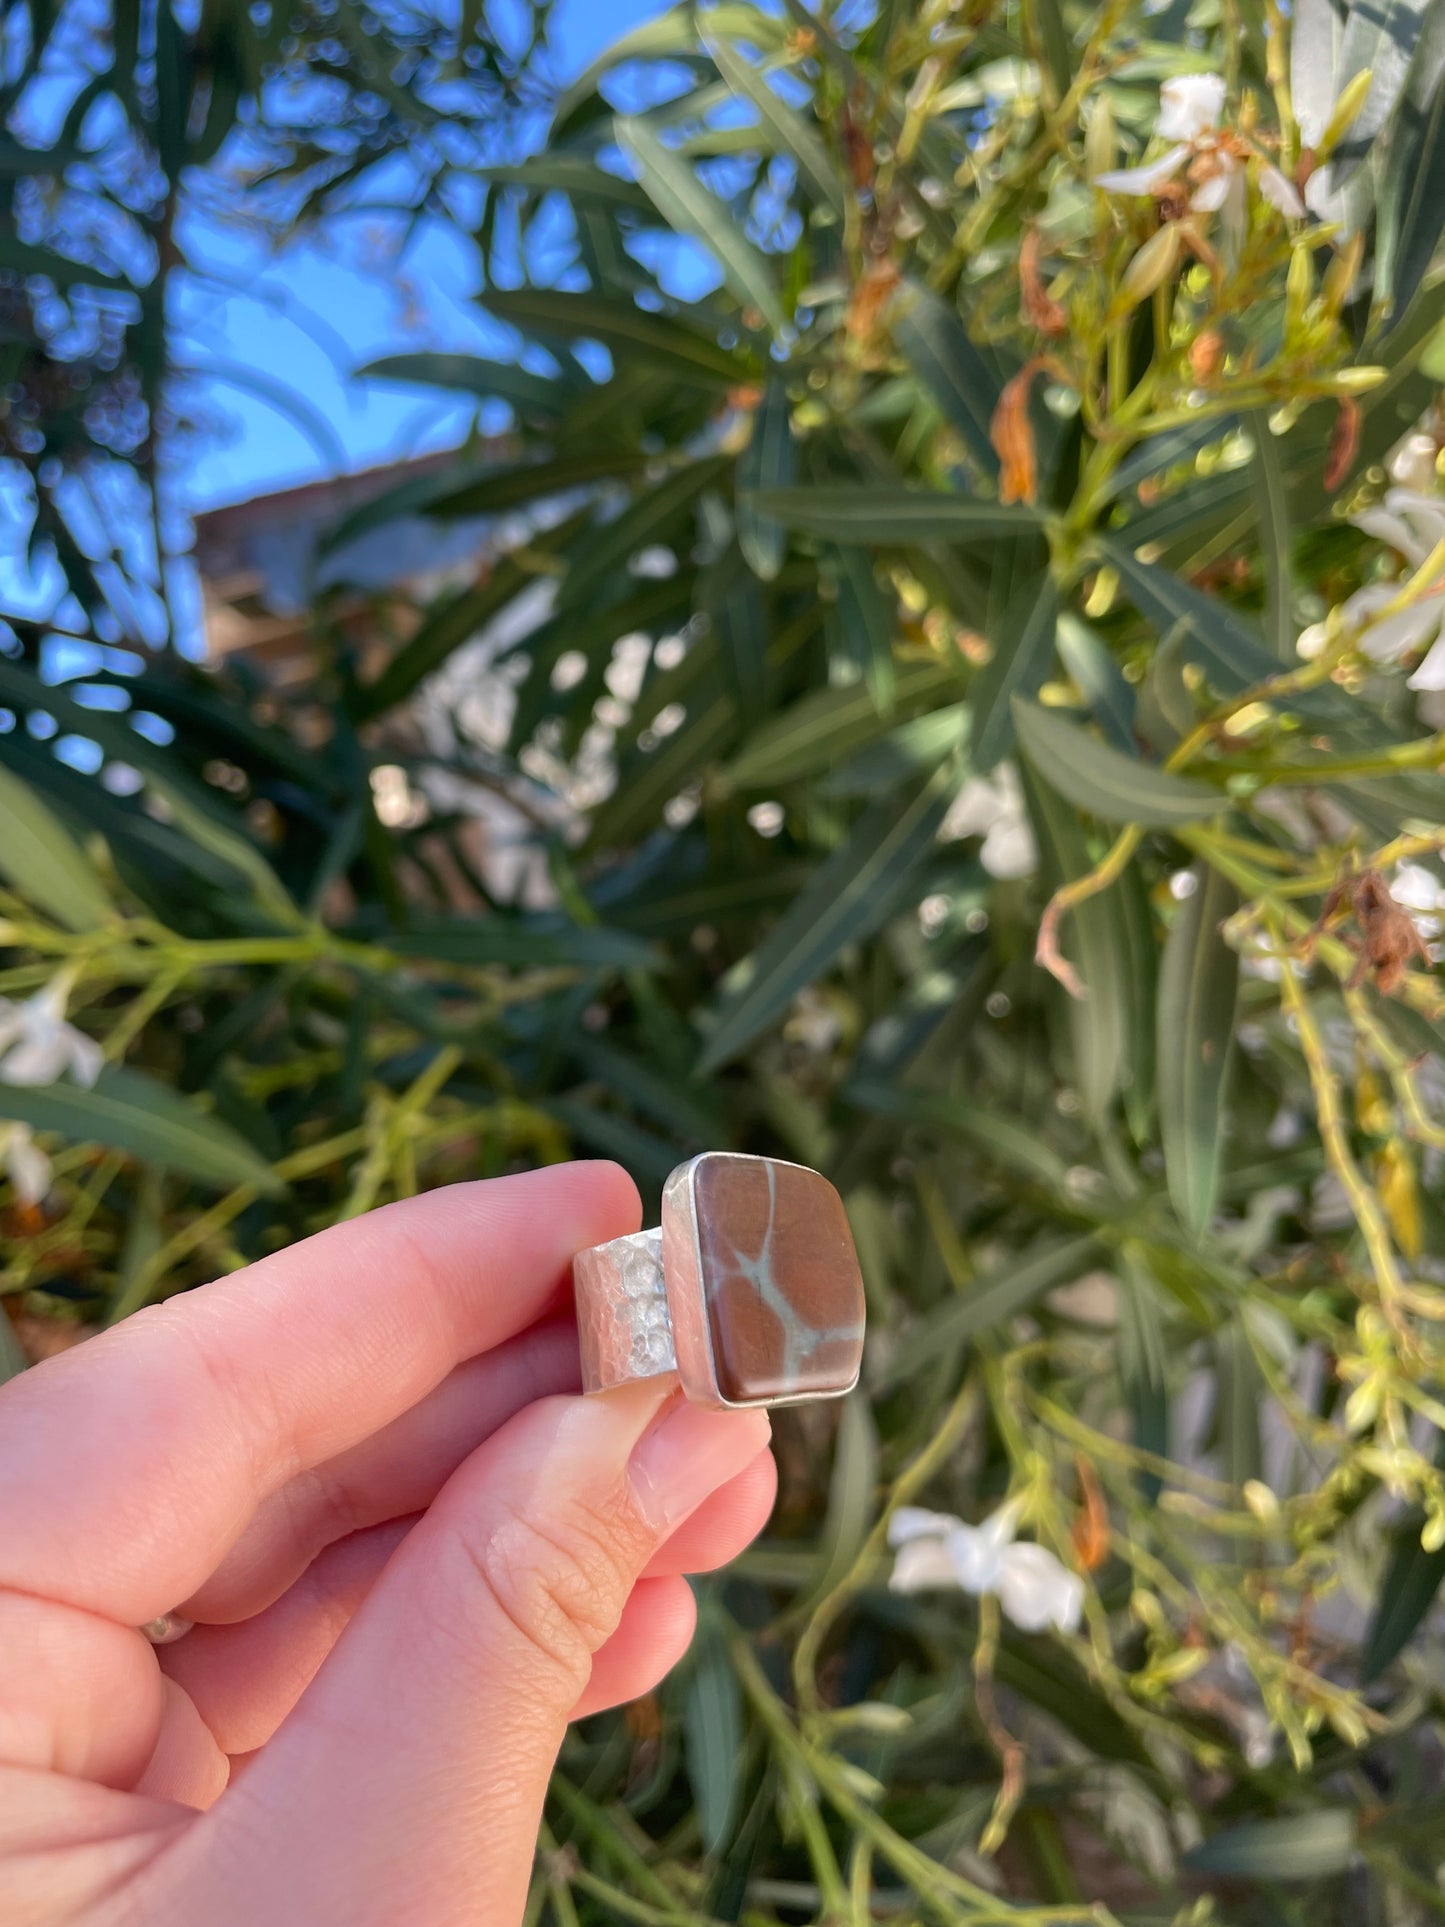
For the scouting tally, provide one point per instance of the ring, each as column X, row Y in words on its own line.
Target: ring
column 749, row 1290
column 166, row 1628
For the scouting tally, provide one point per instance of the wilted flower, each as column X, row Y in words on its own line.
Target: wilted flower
column 1212, row 159
column 1414, row 526
column 37, row 1046
column 936, row 1549
column 26, row 1164
column 993, row 807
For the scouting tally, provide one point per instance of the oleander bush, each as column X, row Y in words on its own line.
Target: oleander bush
column 967, row 654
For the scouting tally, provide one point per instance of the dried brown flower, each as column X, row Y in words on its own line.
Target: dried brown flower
column 1206, row 355
column 1388, row 938
column 1344, row 443
column 1038, row 306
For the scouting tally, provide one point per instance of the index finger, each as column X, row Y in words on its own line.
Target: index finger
column 133, row 1462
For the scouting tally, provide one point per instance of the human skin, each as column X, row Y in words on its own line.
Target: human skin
column 413, row 1553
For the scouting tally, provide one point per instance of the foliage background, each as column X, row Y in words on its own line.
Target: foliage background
column 1157, row 1257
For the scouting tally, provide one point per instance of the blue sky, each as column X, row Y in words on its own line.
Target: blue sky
column 299, row 322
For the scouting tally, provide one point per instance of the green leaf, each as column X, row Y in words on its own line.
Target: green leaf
column 1011, row 1146
column 1099, row 679
column 712, row 1738
column 689, row 208
column 39, row 857
column 1023, row 654
column 507, row 485
column 768, row 462
column 653, row 515
column 449, row 623
column 128, row 1111
column 854, row 892
column 1144, row 1369
column 624, row 329
column 1272, row 507
column 1301, row 1846
column 911, row 747
column 576, row 175
column 532, row 396
column 233, row 849
column 820, row 729
column 852, row 1493
column 790, row 130
column 878, row 516
column 1379, row 35
column 1094, row 935
column 1198, row 991
column 12, row 1359
column 1103, row 781
column 936, row 345
column 1412, row 194
column 523, row 944
column 866, row 620
column 1407, row 1592
column 728, row 594
column 989, row 1301
column 1212, row 636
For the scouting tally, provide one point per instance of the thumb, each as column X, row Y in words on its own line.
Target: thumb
column 408, row 1783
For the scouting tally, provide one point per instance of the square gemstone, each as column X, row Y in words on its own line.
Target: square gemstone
column 781, row 1288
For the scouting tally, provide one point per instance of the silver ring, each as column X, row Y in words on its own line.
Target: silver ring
column 167, row 1629
column 749, row 1290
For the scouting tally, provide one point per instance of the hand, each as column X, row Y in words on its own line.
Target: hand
column 412, row 1557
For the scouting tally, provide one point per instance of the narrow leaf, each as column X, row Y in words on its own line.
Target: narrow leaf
column 819, row 730
column 1198, row 991
column 1407, row 1592
column 1023, row 654
column 768, row 462
column 876, row 516
column 1211, row 635
column 988, row 1302
column 1103, row 781
column 690, row 208
column 866, row 622
column 622, row 327
column 936, row 345
column 712, row 1734
column 128, row 1111
column 854, row 892
column 1272, row 507
column 40, row 858
column 1301, row 1846
column 793, row 134
column 1143, row 1369
column 1099, row 679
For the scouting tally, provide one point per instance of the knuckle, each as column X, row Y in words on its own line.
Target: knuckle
column 563, row 1580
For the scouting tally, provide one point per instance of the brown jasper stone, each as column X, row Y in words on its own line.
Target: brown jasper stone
column 780, row 1279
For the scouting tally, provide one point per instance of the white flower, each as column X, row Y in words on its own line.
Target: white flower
column 993, row 807
column 1412, row 463
column 1190, row 106
column 1414, row 526
column 936, row 1550
column 37, row 1046
column 1422, row 894
column 1189, row 112
column 26, row 1163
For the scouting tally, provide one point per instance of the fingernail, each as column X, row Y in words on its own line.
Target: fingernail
column 687, row 1453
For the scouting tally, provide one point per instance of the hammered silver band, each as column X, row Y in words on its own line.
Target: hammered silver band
column 623, row 1324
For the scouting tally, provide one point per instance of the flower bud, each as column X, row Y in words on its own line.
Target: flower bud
column 1099, row 139
column 1151, row 267
column 1342, row 114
